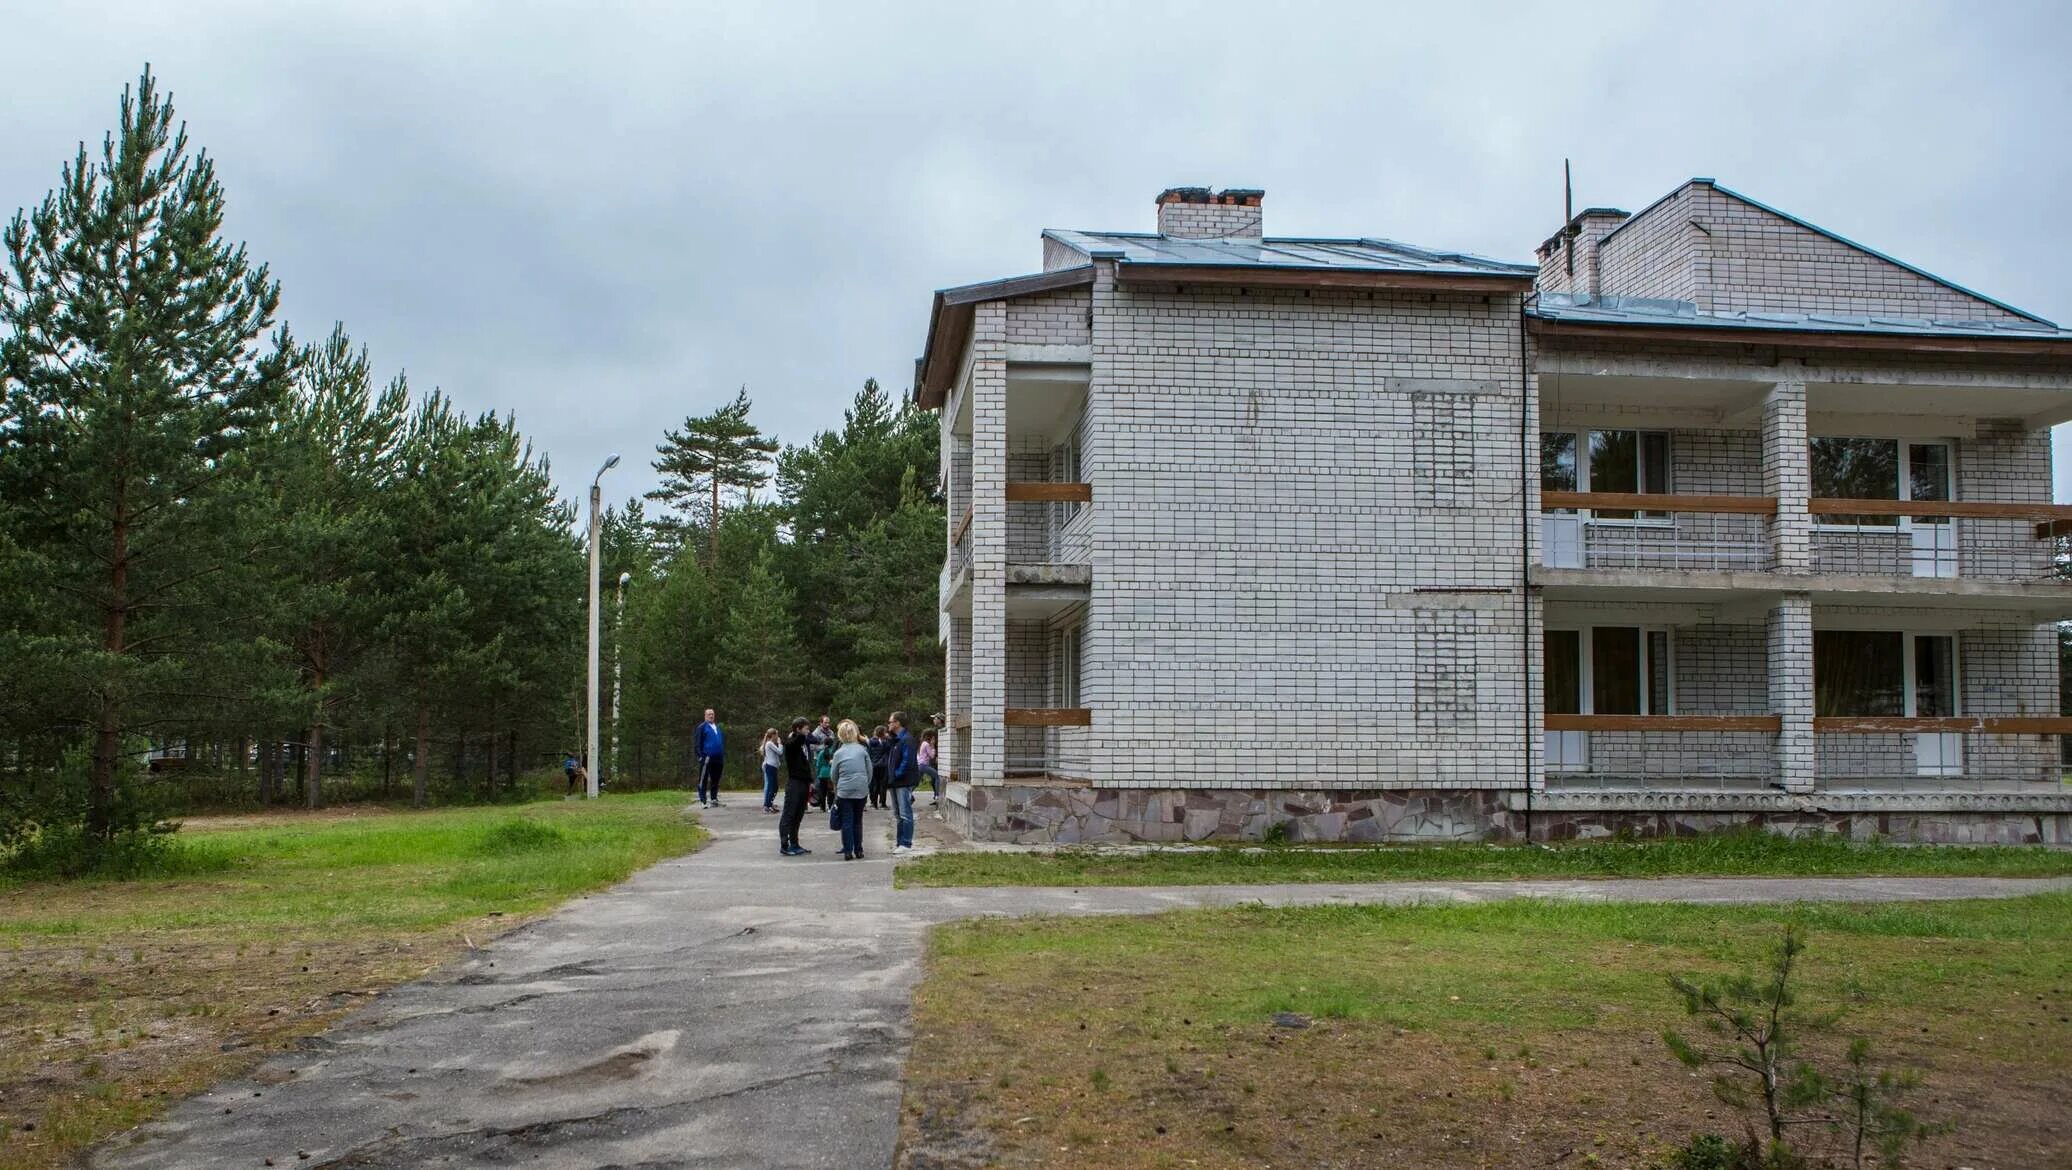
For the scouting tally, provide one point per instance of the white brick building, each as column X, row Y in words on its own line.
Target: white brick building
column 1713, row 517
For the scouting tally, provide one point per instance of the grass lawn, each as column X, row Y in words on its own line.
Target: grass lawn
column 1727, row 854
column 123, row 996
column 1515, row 1034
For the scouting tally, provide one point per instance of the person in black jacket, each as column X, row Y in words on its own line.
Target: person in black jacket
column 880, row 746
column 798, row 785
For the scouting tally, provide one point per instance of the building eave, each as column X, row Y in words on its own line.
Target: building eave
column 1855, row 339
column 949, row 323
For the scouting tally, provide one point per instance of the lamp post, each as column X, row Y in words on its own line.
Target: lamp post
column 618, row 660
column 590, row 712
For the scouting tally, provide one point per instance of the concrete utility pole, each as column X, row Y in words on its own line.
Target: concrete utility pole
column 618, row 661
column 590, row 712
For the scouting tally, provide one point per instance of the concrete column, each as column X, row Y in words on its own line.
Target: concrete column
column 1790, row 639
column 989, row 544
column 1788, row 475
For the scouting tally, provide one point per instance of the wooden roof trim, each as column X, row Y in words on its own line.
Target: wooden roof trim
column 1804, row 339
column 949, row 323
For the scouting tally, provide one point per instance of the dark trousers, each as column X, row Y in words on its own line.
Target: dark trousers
column 795, row 792
column 877, row 797
column 709, row 768
column 769, row 785
column 852, row 823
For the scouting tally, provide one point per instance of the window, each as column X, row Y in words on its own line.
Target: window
column 1606, row 461
column 1068, row 666
column 1880, row 469
column 1608, row 670
column 1884, row 673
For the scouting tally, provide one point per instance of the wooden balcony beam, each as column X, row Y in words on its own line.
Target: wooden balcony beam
column 1048, row 717
column 1970, row 509
column 1648, row 723
column 1023, row 492
column 1652, row 502
column 1989, row 724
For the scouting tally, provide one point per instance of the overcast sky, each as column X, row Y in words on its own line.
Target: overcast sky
column 608, row 219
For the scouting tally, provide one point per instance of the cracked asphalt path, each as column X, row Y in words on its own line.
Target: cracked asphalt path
column 729, row 1009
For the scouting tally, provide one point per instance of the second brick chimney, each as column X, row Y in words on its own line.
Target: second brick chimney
column 1196, row 213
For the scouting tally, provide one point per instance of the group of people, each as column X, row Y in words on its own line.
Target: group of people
column 833, row 768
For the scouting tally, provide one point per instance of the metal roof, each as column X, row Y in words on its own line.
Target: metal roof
column 1583, row 308
column 1362, row 255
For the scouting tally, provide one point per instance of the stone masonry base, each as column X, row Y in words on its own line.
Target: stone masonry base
column 1071, row 814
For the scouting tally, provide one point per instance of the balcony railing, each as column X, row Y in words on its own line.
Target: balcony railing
column 1049, row 523
column 1635, row 530
column 1941, row 538
column 1969, row 752
column 1720, row 752
column 960, row 545
column 1049, row 741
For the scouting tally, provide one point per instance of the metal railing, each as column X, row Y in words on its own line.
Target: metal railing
column 1631, row 530
column 1940, row 538
column 1965, row 753
column 1716, row 752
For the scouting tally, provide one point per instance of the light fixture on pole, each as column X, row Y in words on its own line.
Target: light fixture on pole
column 590, row 711
column 618, row 659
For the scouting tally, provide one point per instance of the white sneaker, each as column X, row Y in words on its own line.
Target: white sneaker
column 902, row 848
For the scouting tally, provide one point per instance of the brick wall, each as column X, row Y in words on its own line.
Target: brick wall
column 1052, row 318
column 1265, row 515
column 1704, row 245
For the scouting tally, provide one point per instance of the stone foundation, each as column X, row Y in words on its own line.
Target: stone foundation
column 1061, row 813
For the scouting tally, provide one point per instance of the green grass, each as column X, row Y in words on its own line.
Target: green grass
column 1733, row 854
column 380, row 870
column 125, row 994
column 1495, row 1034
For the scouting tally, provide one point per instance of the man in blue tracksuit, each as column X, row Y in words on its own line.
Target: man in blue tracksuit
column 711, row 760
column 902, row 775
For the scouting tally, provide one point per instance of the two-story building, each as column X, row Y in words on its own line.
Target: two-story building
column 1711, row 517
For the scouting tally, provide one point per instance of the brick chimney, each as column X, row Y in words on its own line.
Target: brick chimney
column 1196, row 213
column 1568, row 260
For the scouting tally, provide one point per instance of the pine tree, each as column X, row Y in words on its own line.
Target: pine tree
column 325, row 475
column 710, row 453
column 133, row 372
column 759, row 658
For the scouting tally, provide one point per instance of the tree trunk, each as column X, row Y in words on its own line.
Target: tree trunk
column 100, row 796
column 492, row 765
column 388, row 756
column 511, row 761
column 421, row 762
column 460, row 761
column 313, row 791
column 712, row 540
column 269, row 752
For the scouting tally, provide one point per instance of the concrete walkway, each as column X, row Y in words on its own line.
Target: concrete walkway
column 728, row 1009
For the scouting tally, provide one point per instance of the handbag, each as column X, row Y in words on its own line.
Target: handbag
column 834, row 816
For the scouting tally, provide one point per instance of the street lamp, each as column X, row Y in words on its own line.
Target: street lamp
column 618, row 660
column 590, row 712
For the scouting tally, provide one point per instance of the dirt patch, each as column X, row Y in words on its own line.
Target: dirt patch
column 99, row 1037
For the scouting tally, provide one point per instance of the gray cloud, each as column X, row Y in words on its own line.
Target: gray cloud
column 607, row 219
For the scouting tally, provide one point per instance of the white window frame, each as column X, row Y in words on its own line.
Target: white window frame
column 1071, row 644
column 1906, row 478
column 1585, row 649
column 1909, row 708
column 1582, row 437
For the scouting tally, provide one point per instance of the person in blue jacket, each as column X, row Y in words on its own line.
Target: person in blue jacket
column 712, row 760
column 901, row 776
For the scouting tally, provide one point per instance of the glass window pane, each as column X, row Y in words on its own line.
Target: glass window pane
column 1935, row 676
column 1654, row 462
column 1856, row 469
column 1614, row 461
column 1557, row 462
column 1615, row 670
column 1658, row 672
column 1563, row 664
column 1859, row 672
column 1928, row 472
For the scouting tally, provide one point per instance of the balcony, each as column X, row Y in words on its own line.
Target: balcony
column 1973, row 539
column 1980, row 754
column 1048, row 741
column 1723, row 753
column 1049, row 523
column 1633, row 530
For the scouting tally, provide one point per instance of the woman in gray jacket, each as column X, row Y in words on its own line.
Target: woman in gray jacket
column 852, row 780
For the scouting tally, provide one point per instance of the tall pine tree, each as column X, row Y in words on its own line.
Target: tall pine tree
column 711, row 453
column 133, row 370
